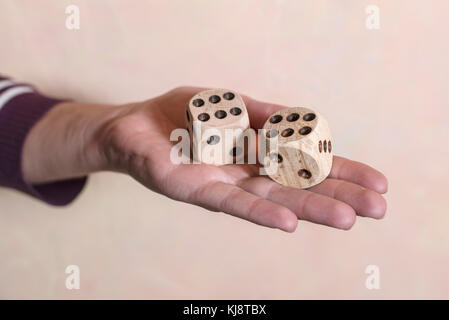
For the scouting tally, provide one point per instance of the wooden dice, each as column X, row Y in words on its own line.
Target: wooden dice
column 299, row 141
column 208, row 115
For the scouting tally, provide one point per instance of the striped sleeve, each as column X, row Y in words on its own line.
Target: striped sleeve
column 21, row 107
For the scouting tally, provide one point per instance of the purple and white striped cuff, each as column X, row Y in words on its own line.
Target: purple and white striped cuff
column 21, row 107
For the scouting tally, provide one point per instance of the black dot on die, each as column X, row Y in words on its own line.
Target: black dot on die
column 236, row 151
column 198, row 102
column 276, row 157
column 305, row 131
column 287, row 132
column 220, row 114
column 309, row 116
column 292, row 117
column 213, row 140
column 228, row 96
column 236, row 111
column 214, row 99
column 272, row 133
column 306, row 174
column 203, row 117
column 276, row 118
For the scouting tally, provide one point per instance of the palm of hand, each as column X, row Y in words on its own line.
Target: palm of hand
column 140, row 145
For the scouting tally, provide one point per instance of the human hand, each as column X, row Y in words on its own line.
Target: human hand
column 134, row 139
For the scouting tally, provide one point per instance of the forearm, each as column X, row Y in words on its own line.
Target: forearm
column 66, row 142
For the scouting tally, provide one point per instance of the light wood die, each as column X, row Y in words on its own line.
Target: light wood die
column 218, row 109
column 304, row 147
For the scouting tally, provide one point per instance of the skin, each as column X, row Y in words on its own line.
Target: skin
column 75, row 139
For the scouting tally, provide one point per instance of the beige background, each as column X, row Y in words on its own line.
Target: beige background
column 385, row 93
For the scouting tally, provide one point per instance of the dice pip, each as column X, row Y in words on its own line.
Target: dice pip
column 299, row 140
column 208, row 114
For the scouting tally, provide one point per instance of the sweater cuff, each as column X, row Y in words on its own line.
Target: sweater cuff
column 17, row 117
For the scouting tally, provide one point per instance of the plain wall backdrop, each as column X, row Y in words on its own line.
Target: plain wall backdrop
column 385, row 93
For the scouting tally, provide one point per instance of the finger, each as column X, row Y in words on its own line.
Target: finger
column 259, row 111
column 359, row 173
column 305, row 204
column 365, row 202
column 219, row 196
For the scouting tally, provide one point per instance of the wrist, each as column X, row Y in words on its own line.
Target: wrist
column 67, row 142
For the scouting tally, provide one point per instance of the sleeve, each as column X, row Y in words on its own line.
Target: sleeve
column 21, row 107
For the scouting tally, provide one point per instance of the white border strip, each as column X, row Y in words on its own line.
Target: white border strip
column 13, row 92
column 5, row 83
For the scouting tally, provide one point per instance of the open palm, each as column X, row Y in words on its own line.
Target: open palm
column 139, row 145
